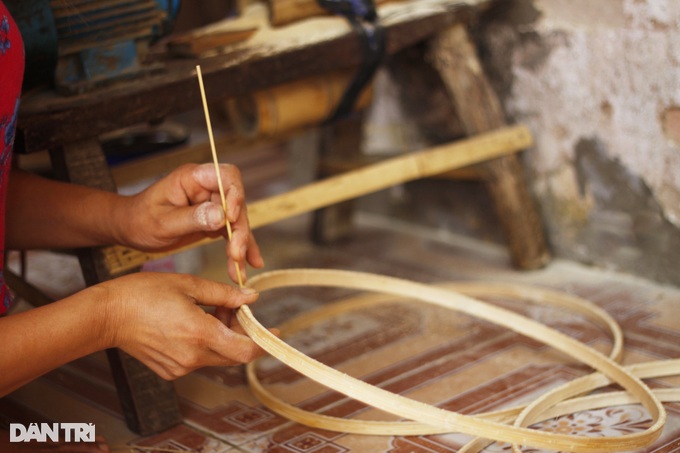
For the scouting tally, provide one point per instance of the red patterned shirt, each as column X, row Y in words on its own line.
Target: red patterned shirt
column 11, row 76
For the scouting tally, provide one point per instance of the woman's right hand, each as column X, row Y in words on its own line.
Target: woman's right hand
column 157, row 318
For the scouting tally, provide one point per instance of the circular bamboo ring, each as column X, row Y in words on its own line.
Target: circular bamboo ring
column 518, row 292
column 433, row 416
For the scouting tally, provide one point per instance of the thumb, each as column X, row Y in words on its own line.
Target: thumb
column 207, row 216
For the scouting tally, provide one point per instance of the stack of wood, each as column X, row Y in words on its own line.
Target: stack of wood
column 282, row 12
column 234, row 30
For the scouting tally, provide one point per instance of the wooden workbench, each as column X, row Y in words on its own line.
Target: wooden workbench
column 69, row 127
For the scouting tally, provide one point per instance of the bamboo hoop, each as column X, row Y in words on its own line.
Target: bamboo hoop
column 535, row 295
column 517, row 292
column 647, row 370
column 432, row 416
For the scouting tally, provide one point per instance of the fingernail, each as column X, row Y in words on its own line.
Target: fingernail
column 203, row 172
column 215, row 216
column 248, row 291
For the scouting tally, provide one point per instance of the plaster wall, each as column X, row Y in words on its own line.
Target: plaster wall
column 598, row 82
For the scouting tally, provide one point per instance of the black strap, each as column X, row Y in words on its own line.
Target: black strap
column 363, row 18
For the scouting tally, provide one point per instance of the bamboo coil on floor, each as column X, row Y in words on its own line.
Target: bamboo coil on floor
column 517, row 292
column 489, row 428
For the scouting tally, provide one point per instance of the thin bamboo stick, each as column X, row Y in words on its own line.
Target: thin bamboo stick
column 217, row 167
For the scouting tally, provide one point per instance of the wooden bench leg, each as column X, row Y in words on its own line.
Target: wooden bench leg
column 455, row 58
column 149, row 403
column 341, row 140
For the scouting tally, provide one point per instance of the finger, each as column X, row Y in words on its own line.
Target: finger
column 254, row 256
column 187, row 220
column 216, row 294
column 234, row 346
column 233, row 274
column 243, row 246
column 225, row 315
column 208, row 216
column 206, row 177
column 238, row 246
column 236, row 327
column 235, row 199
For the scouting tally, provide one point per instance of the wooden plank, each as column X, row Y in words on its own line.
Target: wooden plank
column 359, row 182
column 196, row 42
column 455, row 57
column 271, row 57
column 194, row 45
column 282, row 12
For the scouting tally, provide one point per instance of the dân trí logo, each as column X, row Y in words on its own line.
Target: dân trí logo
column 56, row 432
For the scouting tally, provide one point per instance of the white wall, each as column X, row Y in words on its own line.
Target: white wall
column 598, row 82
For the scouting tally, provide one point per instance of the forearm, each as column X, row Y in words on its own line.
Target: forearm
column 43, row 213
column 41, row 339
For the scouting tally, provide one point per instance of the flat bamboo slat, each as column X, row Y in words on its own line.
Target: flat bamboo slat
column 523, row 293
column 448, row 420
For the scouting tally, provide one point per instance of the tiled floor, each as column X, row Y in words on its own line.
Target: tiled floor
column 446, row 359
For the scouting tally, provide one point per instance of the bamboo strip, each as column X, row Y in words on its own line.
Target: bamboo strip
column 518, row 292
column 647, row 370
column 343, row 187
column 388, row 173
column 525, row 293
column 411, row 428
column 216, row 163
column 429, row 415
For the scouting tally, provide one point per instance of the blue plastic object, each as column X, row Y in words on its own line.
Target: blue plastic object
column 97, row 41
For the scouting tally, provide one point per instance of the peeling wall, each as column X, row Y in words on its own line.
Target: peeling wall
column 598, row 83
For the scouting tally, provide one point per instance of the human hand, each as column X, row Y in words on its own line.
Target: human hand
column 156, row 318
column 184, row 207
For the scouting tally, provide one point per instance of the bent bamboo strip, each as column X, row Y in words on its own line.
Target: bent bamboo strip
column 525, row 293
column 646, row 370
column 518, row 292
column 410, row 428
column 433, row 416
column 397, row 170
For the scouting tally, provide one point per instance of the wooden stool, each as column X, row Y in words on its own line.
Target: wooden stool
column 478, row 108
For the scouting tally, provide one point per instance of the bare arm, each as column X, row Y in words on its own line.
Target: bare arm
column 153, row 317
column 43, row 213
column 179, row 209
